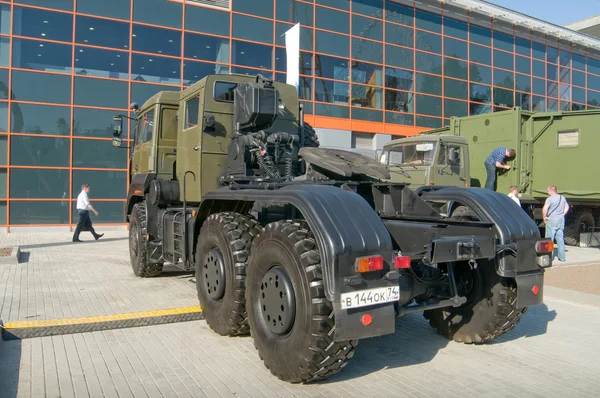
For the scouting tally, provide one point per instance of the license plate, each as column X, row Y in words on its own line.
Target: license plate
column 363, row 298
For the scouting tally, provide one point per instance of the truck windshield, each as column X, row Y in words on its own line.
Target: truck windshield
column 416, row 153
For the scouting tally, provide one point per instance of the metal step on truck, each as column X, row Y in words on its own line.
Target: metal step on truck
column 308, row 249
column 552, row 148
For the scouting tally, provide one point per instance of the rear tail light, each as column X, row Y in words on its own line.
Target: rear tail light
column 369, row 264
column 544, row 246
column 402, row 262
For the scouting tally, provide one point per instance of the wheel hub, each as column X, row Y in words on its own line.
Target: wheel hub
column 214, row 274
column 277, row 301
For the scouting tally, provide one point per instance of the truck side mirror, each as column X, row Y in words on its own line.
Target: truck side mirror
column 117, row 131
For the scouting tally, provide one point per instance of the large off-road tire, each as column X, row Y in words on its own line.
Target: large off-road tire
column 310, row 136
column 138, row 245
column 291, row 320
column 222, row 254
column 490, row 310
column 464, row 213
column 580, row 222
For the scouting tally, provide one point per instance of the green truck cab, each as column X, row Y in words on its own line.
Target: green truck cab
column 552, row 148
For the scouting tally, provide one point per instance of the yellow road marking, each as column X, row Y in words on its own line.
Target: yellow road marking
column 103, row 318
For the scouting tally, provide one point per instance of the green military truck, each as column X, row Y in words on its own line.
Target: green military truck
column 310, row 249
column 552, row 148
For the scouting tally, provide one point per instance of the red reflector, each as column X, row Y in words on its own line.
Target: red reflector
column 544, row 246
column 402, row 262
column 535, row 290
column 366, row 319
column 368, row 264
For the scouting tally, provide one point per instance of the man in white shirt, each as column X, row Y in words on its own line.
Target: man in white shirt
column 83, row 208
column 513, row 193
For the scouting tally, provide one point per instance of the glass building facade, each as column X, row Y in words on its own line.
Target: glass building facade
column 370, row 66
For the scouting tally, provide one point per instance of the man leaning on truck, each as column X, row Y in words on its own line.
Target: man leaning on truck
column 497, row 159
column 554, row 211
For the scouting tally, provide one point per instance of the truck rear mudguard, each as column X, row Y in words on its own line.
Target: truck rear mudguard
column 138, row 188
column 345, row 228
column 515, row 230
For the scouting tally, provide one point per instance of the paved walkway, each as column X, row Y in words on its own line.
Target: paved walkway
column 553, row 352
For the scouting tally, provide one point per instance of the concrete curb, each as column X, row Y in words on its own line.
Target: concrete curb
column 13, row 259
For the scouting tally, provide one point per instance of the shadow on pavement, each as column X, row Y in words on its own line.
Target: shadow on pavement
column 69, row 243
column 533, row 323
column 10, row 362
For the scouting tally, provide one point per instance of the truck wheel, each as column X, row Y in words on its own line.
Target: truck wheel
column 138, row 246
column 463, row 213
column 221, row 255
column 310, row 136
column 579, row 223
column 290, row 319
column 490, row 310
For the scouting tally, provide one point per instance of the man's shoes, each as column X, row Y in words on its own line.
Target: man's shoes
column 77, row 241
column 98, row 236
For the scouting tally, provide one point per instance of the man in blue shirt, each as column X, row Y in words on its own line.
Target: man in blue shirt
column 554, row 211
column 497, row 159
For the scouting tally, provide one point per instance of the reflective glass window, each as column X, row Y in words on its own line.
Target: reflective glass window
column 207, row 20
column 5, row 17
column 593, row 98
column 337, row 21
column 98, row 154
column 428, row 21
column 100, row 92
column 401, row 57
column 42, row 56
column 254, row 29
column 4, row 83
column 578, row 95
column 578, row 78
column 523, row 83
column 503, row 60
column 504, row 98
column 523, row 65
column 481, row 35
column 552, row 54
column 365, row 73
column 538, row 50
column 3, row 150
column 523, row 100
column 192, row 107
column 157, row 12
column 479, row 109
column 366, row 27
column 27, row 213
column 426, row 105
column 93, row 122
column 399, row 79
column 400, row 118
column 538, row 69
column 503, row 41
column 104, row 184
column 456, row 28
column 551, row 72
column 430, row 122
column 252, row 72
column 41, row 87
column 253, row 55
column 428, row 63
column 480, row 74
column 341, row 4
column 456, row 48
column 144, row 128
column 102, row 63
column 109, row 212
column 39, row 184
column 305, row 87
column 306, row 36
column 593, row 66
column 102, row 32
column 565, row 58
column 455, row 108
column 551, row 89
column 149, row 39
column 294, row 11
column 3, row 120
column 456, row 68
column 208, row 48
column 371, row 8
column 564, row 75
column 367, row 115
column 65, row 5
column 399, row 101
column 429, row 42
column 538, row 86
column 578, row 61
column 305, row 61
column 399, row 13
column 40, row 119
column 564, row 92
column 367, row 50
column 367, row 97
column 481, row 93
column 551, row 105
column 456, row 89
column 429, row 84
column 522, row 46
column 140, row 92
column 42, row 24
column 481, row 55
column 194, row 71
column 331, row 43
column 39, row 151
column 593, row 82
column 400, row 35
column 4, row 51
column 261, row 8
column 223, row 91
column 107, row 8
column 504, row 79
column 330, row 91
column 155, row 69
column 342, row 112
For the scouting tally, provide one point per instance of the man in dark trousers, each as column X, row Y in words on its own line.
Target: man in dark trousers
column 497, row 159
column 84, row 207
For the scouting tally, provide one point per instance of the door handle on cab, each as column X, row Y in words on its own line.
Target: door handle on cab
column 196, row 148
